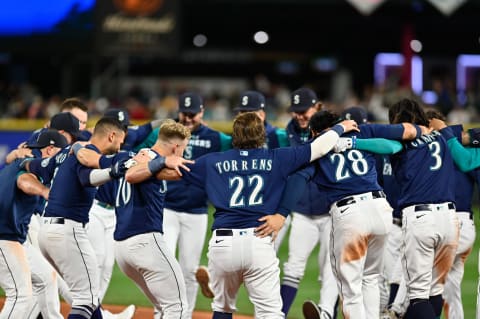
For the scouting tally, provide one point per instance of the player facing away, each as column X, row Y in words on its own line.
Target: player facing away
column 19, row 191
column 63, row 238
column 244, row 185
column 424, row 169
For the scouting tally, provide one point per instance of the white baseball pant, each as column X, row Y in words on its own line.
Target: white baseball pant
column 100, row 233
column 359, row 232
column 452, row 292
column 189, row 232
column 430, row 243
column 237, row 256
column 65, row 244
column 44, row 281
column 146, row 259
column 15, row 279
column 305, row 233
column 282, row 233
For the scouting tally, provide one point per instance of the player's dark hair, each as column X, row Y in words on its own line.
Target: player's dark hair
column 407, row 111
column 105, row 124
column 322, row 120
column 435, row 114
column 72, row 103
column 248, row 131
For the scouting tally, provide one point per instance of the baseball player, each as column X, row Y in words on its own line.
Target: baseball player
column 244, row 185
column 102, row 214
column 311, row 223
column 429, row 222
column 140, row 249
column 20, row 269
column 62, row 238
column 357, row 238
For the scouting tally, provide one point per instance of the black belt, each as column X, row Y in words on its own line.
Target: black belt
column 105, row 205
column 428, row 207
column 224, row 232
column 397, row 221
column 59, row 220
column 351, row 200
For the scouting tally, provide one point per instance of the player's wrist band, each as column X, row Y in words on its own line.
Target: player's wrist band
column 76, row 147
column 156, row 165
column 339, row 128
column 474, row 135
column 419, row 130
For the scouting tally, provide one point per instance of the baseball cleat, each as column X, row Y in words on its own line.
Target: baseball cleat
column 310, row 310
column 127, row 313
column 203, row 279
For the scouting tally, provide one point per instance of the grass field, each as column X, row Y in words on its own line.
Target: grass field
column 122, row 291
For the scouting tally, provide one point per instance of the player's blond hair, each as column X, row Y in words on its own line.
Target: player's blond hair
column 173, row 130
column 248, row 131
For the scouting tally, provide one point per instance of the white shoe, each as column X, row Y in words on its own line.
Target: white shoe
column 127, row 313
column 388, row 314
column 203, row 279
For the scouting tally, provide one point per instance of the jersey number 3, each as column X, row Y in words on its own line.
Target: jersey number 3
column 246, row 186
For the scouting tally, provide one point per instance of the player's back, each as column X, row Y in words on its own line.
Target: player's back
column 424, row 170
column 244, row 185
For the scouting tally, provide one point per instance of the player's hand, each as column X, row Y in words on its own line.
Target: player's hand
column 271, row 226
column 176, row 162
column 436, row 124
column 344, row 143
column 349, row 126
column 118, row 169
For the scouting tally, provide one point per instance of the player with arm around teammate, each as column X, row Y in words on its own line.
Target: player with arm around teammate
column 244, row 185
column 62, row 238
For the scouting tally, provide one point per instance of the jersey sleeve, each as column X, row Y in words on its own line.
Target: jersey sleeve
column 282, row 137
column 108, row 160
column 142, row 133
column 378, row 145
column 148, row 141
column 388, row 131
column 466, row 159
column 295, row 187
column 197, row 174
column 43, row 168
column 225, row 141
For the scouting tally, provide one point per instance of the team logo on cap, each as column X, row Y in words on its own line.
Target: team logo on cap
column 296, row 99
column 188, row 102
column 348, row 116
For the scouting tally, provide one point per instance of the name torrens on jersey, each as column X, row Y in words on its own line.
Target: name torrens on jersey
column 259, row 164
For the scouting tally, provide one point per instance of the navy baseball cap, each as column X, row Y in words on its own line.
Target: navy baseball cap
column 356, row 113
column 251, row 101
column 49, row 137
column 302, row 99
column 67, row 122
column 119, row 114
column 190, row 102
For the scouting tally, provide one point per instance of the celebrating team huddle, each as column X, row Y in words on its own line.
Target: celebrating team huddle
column 389, row 204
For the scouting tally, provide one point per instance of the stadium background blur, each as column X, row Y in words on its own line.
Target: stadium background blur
column 141, row 54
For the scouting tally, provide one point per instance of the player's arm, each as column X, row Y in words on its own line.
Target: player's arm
column 325, row 142
column 30, row 185
column 373, row 145
column 149, row 141
column 225, row 141
column 18, row 153
column 143, row 170
column 86, row 157
column 282, row 137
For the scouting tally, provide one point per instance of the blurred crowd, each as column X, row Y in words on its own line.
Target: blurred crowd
column 27, row 102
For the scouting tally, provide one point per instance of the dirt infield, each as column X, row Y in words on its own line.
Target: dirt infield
column 142, row 312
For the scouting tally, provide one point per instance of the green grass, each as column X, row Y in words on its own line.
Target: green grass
column 122, row 291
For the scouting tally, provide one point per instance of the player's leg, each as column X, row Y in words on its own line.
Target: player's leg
column 190, row 244
column 171, row 229
column 226, row 272
column 399, row 301
column 304, row 237
column 348, row 249
column 282, row 233
column 147, row 255
column 329, row 290
column 388, row 285
column 44, row 282
column 15, row 280
column 421, row 232
column 67, row 248
column 446, row 248
column 452, row 291
column 262, row 276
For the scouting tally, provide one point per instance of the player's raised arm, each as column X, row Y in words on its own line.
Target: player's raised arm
column 30, row 185
column 325, row 142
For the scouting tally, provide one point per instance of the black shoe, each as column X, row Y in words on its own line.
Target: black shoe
column 310, row 310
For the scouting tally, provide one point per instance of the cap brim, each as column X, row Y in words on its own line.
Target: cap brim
column 34, row 145
column 298, row 108
column 246, row 109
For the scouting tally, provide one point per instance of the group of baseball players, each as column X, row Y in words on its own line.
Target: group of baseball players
column 389, row 204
